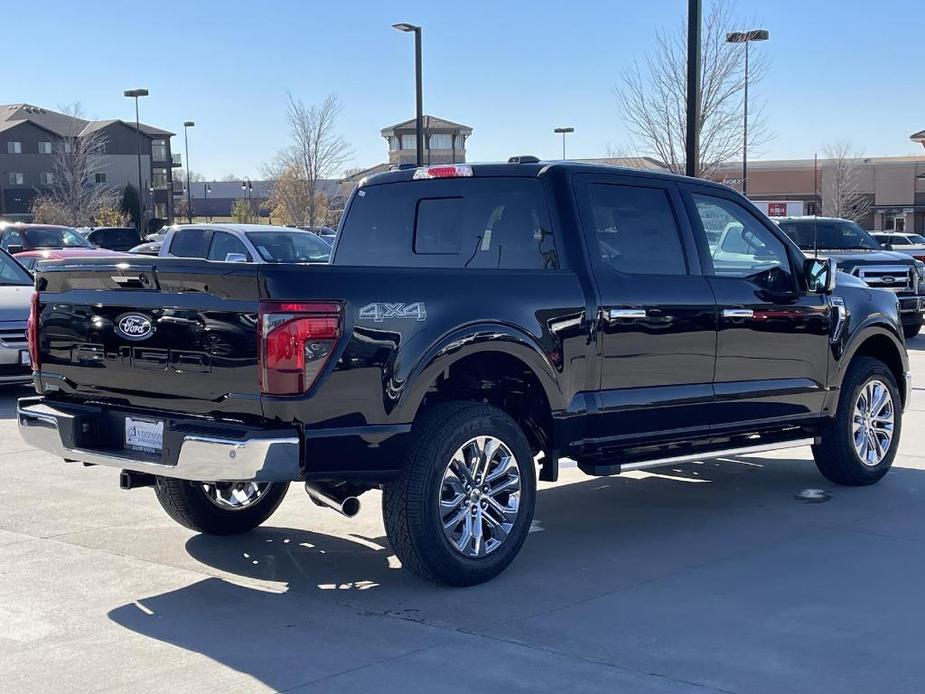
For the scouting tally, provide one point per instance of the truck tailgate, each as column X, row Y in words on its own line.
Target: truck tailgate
column 162, row 333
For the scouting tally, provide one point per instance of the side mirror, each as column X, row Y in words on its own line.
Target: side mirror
column 13, row 250
column 887, row 246
column 235, row 258
column 820, row 275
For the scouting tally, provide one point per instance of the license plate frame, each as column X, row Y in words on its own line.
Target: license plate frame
column 144, row 435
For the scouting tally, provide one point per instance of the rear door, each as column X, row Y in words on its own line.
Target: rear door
column 657, row 315
column 773, row 338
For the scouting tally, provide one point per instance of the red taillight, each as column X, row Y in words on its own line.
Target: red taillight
column 445, row 171
column 296, row 340
column 32, row 333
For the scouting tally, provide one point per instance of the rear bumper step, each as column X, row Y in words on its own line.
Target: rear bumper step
column 260, row 458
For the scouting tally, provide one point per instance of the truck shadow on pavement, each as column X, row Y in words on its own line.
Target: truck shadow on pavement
column 288, row 606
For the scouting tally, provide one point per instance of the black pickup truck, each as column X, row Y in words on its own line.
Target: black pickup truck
column 476, row 323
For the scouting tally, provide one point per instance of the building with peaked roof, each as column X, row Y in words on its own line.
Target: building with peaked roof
column 444, row 141
column 30, row 134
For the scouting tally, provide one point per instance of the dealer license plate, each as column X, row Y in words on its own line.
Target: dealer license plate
column 145, row 435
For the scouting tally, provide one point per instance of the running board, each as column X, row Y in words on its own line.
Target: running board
column 616, row 468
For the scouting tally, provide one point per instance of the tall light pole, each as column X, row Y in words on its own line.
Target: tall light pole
column 189, row 206
column 206, row 189
column 419, row 88
column 564, row 132
column 134, row 94
column 692, row 132
column 746, row 37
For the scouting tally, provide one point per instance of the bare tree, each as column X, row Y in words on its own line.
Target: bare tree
column 289, row 193
column 317, row 153
column 653, row 96
column 842, row 195
column 75, row 162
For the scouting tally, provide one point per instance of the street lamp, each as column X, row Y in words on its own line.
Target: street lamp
column 419, row 116
column 206, row 189
column 134, row 94
column 189, row 206
column 564, row 132
column 746, row 37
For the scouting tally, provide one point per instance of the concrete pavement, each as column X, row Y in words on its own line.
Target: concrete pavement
column 704, row 578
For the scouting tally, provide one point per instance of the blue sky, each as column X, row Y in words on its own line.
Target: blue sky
column 512, row 70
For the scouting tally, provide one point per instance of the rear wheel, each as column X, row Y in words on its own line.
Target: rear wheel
column 219, row 508
column 910, row 330
column 462, row 506
column 859, row 446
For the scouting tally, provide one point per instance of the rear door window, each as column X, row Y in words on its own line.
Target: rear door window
column 190, row 243
column 489, row 222
column 224, row 243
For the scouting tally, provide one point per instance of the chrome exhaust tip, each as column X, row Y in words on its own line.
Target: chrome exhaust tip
column 329, row 496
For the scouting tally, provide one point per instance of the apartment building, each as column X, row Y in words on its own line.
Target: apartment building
column 29, row 136
column 444, row 141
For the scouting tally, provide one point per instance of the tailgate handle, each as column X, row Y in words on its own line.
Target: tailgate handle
column 139, row 280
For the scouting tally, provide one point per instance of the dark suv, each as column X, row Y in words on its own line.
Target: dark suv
column 859, row 254
column 477, row 323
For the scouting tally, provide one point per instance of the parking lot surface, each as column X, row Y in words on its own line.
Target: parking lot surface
column 701, row 578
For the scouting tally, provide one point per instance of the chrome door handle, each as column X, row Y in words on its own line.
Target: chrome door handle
column 626, row 313
column 738, row 313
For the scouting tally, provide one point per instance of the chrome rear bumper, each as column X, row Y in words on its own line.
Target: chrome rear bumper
column 200, row 458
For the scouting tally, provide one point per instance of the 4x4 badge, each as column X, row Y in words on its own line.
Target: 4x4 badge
column 379, row 312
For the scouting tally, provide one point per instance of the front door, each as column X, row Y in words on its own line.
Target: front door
column 773, row 340
column 657, row 317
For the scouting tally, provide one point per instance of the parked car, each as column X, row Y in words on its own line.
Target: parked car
column 859, row 254
column 910, row 244
column 19, row 236
column 113, row 238
column 327, row 233
column 475, row 319
column 15, row 294
column 30, row 259
column 147, row 248
column 250, row 243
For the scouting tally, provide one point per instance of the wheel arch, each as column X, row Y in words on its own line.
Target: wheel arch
column 880, row 342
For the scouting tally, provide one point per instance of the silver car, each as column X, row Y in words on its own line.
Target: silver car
column 244, row 243
column 15, row 294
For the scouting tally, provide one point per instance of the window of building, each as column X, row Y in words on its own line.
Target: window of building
column 46, row 178
column 16, row 178
column 159, row 178
column 99, row 177
column 441, row 141
column 636, row 230
column 393, row 142
column 408, row 142
column 160, row 210
column 44, row 148
column 13, row 147
column 460, row 142
column 159, row 150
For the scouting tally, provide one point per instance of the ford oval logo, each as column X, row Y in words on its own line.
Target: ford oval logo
column 887, row 279
column 134, row 326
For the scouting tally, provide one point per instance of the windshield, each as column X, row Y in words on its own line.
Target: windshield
column 832, row 234
column 916, row 239
column 289, row 246
column 11, row 273
column 54, row 238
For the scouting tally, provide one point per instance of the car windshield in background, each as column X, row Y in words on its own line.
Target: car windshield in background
column 289, row 246
column 54, row 238
column 916, row 239
column 839, row 235
column 12, row 273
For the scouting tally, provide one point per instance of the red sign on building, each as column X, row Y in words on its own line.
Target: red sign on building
column 777, row 209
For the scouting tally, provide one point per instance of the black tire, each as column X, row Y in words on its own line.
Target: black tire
column 189, row 505
column 411, row 504
column 836, row 456
column 910, row 330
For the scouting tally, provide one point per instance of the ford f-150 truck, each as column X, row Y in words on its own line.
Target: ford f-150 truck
column 476, row 324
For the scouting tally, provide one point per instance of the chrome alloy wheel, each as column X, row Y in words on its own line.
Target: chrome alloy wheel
column 480, row 496
column 872, row 426
column 234, row 496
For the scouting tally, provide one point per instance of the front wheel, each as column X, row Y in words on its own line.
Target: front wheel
column 219, row 508
column 859, row 446
column 910, row 330
column 462, row 506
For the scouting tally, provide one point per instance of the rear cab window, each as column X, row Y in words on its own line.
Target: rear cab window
column 490, row 222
